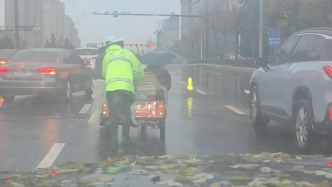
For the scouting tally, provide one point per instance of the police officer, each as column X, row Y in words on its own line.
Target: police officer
column 120, row 69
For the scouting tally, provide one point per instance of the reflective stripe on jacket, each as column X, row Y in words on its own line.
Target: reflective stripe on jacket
column 120, row 69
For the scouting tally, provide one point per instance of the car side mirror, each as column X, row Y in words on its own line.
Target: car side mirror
column 262, row 62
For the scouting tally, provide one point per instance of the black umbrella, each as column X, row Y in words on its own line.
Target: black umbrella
column 160, row 58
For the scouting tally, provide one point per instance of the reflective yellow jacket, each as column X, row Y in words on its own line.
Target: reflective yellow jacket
column 120, row 69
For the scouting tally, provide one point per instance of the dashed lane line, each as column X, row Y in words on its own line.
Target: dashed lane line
column 51, row 156
column 182, row 82
column 201, row 92
column 84, row 109
column 233, row 109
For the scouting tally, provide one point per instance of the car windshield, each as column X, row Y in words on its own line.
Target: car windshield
column 7, row 53
column 86, row 51
column 35, row 57
column 180, row 93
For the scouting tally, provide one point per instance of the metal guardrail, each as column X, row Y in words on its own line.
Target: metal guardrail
column 239, row 62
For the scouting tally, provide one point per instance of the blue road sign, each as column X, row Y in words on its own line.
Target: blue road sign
column 274, row 36
column 115, row 14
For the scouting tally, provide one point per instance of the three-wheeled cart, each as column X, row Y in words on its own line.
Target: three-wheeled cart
column 149, row 105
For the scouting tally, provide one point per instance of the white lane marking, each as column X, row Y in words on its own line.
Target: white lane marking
column 247, row 92
column 51, row 156
column 237, row 111
column 201, row 92
column 85, row 109
column 182, row 82
column 217, row 73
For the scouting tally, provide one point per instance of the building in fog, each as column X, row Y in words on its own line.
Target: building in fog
column 170, row 31
column 39, row 19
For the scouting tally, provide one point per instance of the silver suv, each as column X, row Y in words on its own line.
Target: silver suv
column 295, row 86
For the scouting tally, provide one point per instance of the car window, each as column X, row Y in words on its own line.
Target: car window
column 323, row 48
column 303, row 50
column 7, row 53
column 76, row 58
column 67, row 58
column 35, row 56
column 282, row 56
column 72, row 58
column 86, row 51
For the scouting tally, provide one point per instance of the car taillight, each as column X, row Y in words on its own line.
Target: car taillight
column 328, row 71
column 161, row 108
column 330, row 112
column 3, row 62
column 3, row 70
column 48, row 71
column 104, row 110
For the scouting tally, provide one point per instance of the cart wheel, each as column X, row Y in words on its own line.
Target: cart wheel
column 143, row 132
column 162, row 130
column 160, row 95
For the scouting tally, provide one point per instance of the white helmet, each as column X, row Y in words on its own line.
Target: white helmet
column 113, row 39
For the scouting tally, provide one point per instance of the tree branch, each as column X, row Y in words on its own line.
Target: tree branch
column 197, row 1
column 185, row 2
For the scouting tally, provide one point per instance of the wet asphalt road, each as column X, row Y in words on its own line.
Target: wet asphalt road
column 211, row 119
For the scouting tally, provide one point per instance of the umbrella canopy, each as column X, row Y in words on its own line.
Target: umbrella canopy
column 160, row 58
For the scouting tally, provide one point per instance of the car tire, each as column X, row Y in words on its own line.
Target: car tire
column 303, row 122
column 8, row 98
column 259, row 121
column 67, row 91
column 88, row 92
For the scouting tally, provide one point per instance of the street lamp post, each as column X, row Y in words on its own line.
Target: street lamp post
column 158, row 32
column 17, row 30
column 261, row 5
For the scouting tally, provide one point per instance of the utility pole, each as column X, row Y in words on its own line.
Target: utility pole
column 17, row 29
column 295, row 9
column 261, row 5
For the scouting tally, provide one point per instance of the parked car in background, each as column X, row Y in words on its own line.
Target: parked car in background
column 6, row 54
column 89, row 55
column 295, row 86
column 51, row 71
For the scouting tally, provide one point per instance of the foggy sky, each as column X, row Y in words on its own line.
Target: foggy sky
column 93, row 28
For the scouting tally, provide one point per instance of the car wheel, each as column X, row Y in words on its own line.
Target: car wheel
column 88, row 92
column 8, row 98
column 259, row 121
column 303, row 120
column 68, row 91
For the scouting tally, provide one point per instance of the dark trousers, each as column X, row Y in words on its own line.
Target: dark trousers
column 119, row 103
